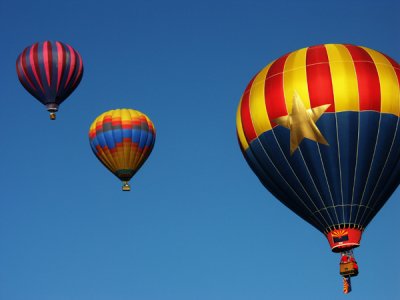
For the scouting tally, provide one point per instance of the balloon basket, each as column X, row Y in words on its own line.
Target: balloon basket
column 52, row 116
column 126, row 187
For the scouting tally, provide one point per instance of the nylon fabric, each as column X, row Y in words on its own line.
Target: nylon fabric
column 342, row 184
column 50, row 71
column 122, row 140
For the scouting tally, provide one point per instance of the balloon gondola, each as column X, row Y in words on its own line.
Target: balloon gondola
column 320, row 128
column 122, row 139
column 50, row 72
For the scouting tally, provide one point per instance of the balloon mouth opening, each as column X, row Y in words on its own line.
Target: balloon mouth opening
column 124, row 174
column 52, row 107
column 344, row 247
column 344, row 239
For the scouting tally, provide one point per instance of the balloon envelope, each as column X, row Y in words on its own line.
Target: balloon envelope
column 122, row 139
column 50, row 71
column 320, row 128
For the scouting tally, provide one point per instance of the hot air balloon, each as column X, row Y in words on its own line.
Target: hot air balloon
column 122, row 139
column 320, row 128
column 50, row 72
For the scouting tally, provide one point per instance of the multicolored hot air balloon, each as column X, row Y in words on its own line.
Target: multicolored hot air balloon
column 320, row 128
column 50, row 72
column 122, row 139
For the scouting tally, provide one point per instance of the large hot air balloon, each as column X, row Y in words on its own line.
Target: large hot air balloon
column 122, row 139
column 320, row 128
column 50, row 72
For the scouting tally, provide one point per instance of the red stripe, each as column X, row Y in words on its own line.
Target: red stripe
column 22, row 62
column 50, row 61
column 33, row 59
column 60, row 63
column 46, row 61
column 79, row 68
column 126, row 126
column 116, row 121
column 274, row 92
column 319, row 78
column 247, row 123
column 368, row 79
column 71, row 64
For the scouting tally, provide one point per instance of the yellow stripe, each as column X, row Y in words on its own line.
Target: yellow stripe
column 344, row 78
column 295, row 78
column 258, row 110
column 125, row 115
column 390, row 91
column 239, row 128
column 126, row 145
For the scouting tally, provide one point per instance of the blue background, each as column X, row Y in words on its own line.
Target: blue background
column 197, row 224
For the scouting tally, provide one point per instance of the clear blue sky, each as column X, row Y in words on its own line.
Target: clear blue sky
column 198, row 225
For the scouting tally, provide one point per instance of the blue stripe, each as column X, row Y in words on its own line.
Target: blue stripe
column 276, row 184
column 279, row 168
column 347, row 135
column 64, row 74
column 70, row 86
column 143, row 139
column 330, row 159
column 314, row 159
column 117, row 136
column 111, row 137
column 54, row 69
column 388, row 173
column 49, row 96
column 368, row 134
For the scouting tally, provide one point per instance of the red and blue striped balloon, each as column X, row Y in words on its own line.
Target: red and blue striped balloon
column 50, row 72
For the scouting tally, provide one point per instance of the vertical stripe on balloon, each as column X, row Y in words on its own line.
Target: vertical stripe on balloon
column 388, row 81
column 239, row 128
column 71, row 65
column 46, row 61
column 22, row 75
column 368, row 79
column 258, row 109
column 344, row 80
column 319, row 78
column 295, row 78
column 247, row 123
column 60, row 63
column 79, row 69
column 33, row 59
column 274, row 90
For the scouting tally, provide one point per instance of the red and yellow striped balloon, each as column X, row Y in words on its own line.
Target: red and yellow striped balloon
column 320, row 127
column 339, row 164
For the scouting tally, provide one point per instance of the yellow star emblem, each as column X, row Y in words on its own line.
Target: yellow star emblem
column 301, row 123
